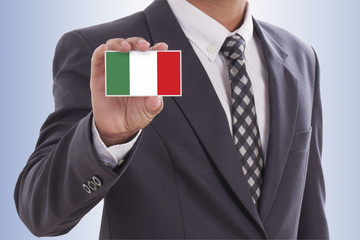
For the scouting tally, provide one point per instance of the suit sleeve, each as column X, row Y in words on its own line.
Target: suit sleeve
column 49, row 193
column 313, row 223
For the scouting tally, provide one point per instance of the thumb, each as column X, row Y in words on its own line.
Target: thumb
column 154, row 105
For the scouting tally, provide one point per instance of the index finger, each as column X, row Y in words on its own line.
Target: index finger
column 160, row 46
column 138, row 43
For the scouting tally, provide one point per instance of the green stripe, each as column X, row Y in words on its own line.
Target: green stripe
column 117, row 73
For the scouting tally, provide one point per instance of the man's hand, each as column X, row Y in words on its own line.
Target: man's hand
column 118, row 119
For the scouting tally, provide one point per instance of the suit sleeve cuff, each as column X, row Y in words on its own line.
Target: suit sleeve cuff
column 111, row 156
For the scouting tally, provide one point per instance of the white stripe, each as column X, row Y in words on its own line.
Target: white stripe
column 143, row 73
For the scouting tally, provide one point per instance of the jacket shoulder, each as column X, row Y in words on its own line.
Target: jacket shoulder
column 291, row 44
column 301, row 57
column 130, row 26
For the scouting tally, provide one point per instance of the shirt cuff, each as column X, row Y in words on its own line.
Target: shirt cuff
column 111, row 156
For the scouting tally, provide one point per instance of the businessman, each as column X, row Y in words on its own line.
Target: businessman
column 237, row 156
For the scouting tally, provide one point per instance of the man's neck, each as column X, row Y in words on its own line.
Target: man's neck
column 229, row 13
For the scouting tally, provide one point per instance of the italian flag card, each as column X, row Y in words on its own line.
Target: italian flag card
column 147, row 73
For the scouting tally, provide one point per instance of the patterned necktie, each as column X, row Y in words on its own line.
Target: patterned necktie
column 245, row 128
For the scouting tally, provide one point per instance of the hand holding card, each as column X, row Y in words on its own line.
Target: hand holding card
column 118, row 119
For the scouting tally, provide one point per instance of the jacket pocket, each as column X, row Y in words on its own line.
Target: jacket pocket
column 301, row 141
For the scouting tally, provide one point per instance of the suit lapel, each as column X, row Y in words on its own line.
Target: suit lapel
column 283, row 91
column 201, row 105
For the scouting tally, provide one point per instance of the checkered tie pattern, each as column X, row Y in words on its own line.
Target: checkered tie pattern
column 245, row 128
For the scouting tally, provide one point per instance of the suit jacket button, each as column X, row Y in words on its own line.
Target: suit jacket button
column 97, row 181
column 92, row 185
column 86, row 188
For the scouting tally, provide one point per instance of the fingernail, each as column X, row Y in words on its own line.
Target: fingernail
column 159, row 99
column 142, row 41
column 123, row 43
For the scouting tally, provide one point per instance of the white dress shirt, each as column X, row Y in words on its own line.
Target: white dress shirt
column 206, row 36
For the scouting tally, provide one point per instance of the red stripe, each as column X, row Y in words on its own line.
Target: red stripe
column 169, row 73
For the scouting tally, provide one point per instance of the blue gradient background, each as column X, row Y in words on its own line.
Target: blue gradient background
column 31, row 29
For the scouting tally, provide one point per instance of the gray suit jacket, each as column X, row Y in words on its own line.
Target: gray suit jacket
column 183, row 177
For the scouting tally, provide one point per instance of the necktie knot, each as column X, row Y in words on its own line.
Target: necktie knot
column 234, row 47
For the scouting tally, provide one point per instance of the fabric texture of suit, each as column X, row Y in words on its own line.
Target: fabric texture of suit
column 183, row 178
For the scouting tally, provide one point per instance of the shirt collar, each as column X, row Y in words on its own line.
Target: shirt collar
column 205, row 32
